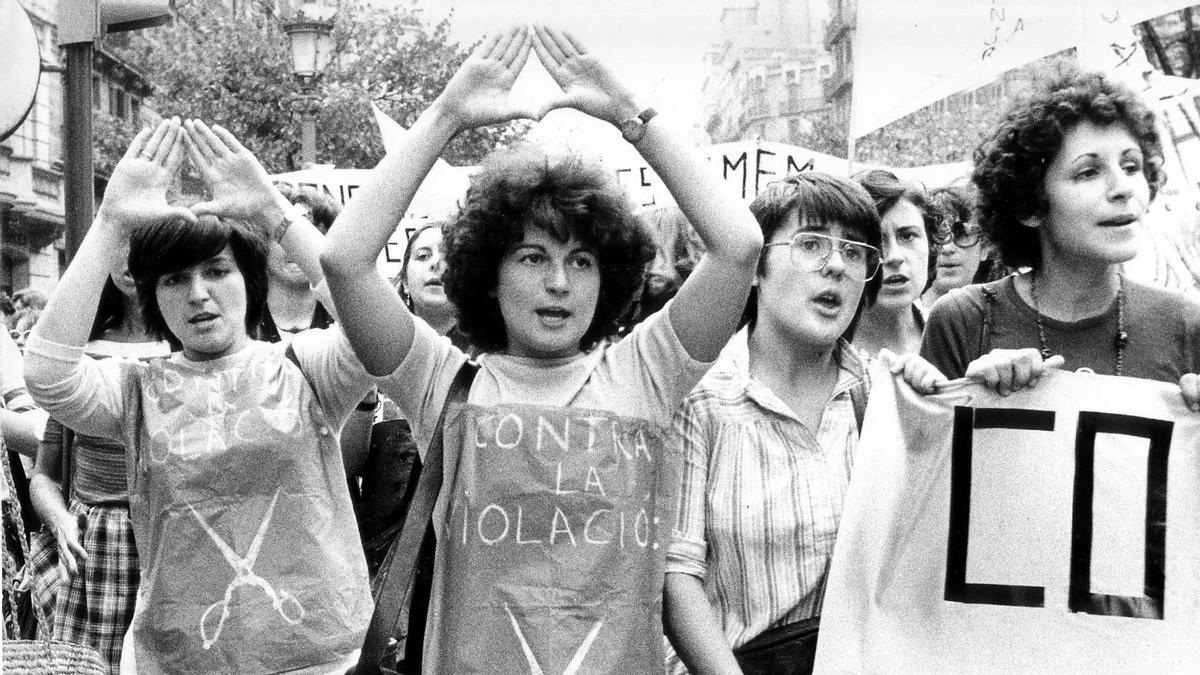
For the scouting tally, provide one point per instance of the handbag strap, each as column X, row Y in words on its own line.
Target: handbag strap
column 66, row 444
column 394, row 581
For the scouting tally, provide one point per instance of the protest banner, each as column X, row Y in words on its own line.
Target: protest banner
column 746, row 167
column 548, row 552
column 1053, row 530
column 956, row 45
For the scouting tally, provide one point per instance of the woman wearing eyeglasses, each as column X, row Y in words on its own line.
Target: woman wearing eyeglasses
column 963, row 258
column 767, row 438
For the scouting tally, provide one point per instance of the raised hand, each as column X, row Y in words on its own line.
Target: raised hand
column 477, row 95
column 137, row 191
column 239, row 184
column 588, row 85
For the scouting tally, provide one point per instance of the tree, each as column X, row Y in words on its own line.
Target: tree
column 232, row 67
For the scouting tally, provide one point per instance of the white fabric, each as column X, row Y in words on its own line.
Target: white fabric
column 885, row 603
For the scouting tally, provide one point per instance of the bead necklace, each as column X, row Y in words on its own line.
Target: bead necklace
column 1120, row 341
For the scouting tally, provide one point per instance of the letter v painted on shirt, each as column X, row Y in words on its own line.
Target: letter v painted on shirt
column 576, row 661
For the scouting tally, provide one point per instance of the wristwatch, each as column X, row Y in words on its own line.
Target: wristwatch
column 634, row 128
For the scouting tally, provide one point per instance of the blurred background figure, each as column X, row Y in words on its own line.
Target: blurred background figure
column 420, row 283
column 964, row 255
column 79, row 491
column 677, row 250
column 292, row 305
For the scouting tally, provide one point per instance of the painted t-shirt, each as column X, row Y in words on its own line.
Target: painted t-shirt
column 250, row 556
column 548, row 551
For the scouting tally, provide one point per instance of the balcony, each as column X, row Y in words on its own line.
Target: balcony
column 838, row 85
column 834, row 32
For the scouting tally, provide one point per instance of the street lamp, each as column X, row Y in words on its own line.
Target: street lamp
column 310, row 34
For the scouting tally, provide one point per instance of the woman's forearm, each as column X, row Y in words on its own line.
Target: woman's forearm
column 691, row 625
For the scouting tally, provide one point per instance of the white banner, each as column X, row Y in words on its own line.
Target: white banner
column 1053, row 530
column 908, row 55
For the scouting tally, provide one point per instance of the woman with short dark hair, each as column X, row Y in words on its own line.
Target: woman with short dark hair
column 250, row 560
column 910, row 232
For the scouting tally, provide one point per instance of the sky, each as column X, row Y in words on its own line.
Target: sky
column 656, row 47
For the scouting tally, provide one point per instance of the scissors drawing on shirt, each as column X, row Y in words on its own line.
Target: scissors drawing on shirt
column 243, row 566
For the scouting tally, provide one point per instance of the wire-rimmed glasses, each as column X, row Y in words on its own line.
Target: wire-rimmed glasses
column 963, row 235
column 811, row 251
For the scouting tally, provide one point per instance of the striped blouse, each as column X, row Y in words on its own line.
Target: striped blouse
column 761, row 497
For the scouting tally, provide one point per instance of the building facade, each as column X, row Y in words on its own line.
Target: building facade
column 32, row 217
column 767, row 72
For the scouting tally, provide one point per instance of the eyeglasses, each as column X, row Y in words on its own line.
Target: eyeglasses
column 962, row 235
column 811, row 251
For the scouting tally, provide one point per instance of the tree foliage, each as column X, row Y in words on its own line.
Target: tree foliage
column 233, row 69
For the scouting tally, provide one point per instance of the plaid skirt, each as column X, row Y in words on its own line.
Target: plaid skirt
column 95, row 606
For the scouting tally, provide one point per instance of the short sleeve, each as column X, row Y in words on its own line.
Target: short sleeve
column 656, row 358
column 953, row 333
column 690, row 445
column 421, row 382
column 336, row 374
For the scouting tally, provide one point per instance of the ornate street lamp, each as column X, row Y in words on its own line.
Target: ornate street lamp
column 310, row 33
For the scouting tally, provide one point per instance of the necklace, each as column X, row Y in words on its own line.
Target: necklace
column 1120, row 341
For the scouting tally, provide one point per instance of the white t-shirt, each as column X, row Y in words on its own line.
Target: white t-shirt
column 645, row 375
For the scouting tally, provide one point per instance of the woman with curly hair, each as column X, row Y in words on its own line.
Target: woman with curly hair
column 546, row 522
column 1063, row 181
column 910, row 228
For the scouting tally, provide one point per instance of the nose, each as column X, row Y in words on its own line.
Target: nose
column 556, row 280
column 835, row 264
column 1122, row 185
column 438, row 264
column 661, row 266
column 197, row 289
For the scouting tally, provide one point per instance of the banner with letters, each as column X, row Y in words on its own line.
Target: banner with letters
column 548, row 555
column 1053, row 530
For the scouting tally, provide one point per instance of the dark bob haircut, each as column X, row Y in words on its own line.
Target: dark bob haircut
column 523, row 187
column 818, row 198
column 887, row 189
column 1010, row 165
column 173, row 245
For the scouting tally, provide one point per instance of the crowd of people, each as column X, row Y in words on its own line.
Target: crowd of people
column 234, row 417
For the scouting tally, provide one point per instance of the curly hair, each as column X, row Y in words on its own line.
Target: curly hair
column 172, row 245
column 1010, row 165
column 565, row 197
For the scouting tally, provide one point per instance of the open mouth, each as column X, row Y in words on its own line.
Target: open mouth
column 203, row 317
column 828, row 300
column 553, row 315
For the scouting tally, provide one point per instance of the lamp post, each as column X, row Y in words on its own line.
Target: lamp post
column 310, row 34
